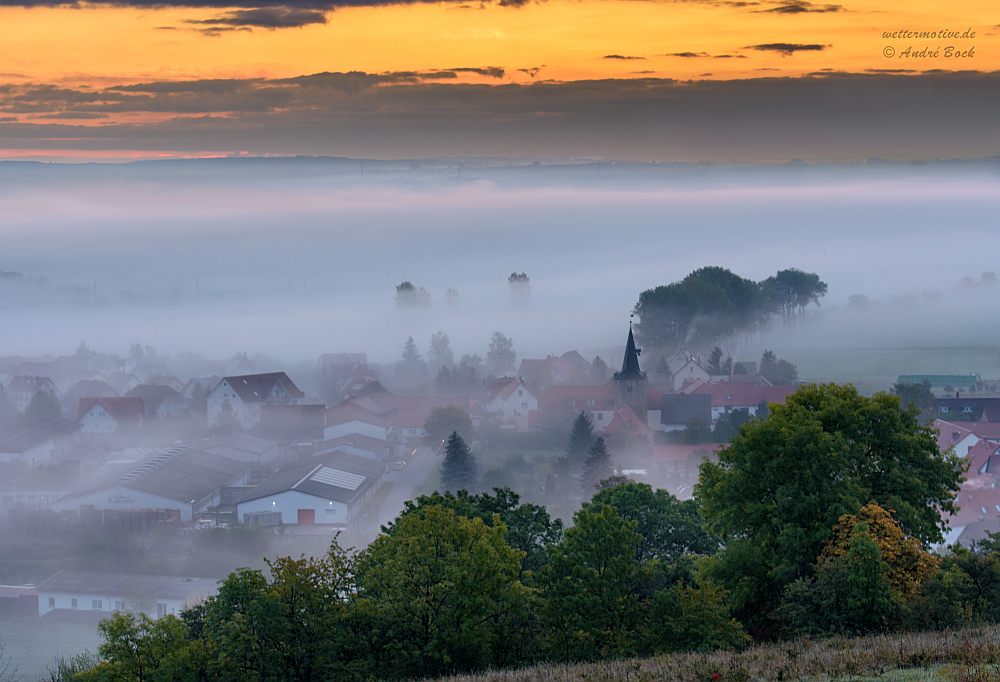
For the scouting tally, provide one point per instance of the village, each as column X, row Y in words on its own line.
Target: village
column 124, row 451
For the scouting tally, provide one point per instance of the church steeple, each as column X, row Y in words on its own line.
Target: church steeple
column 630, row 364
column 630, row 383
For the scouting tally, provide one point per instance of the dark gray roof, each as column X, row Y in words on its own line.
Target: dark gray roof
column 26, row 435
column 123, row 584
column 177, row 474
column 680, row 408
column 337, row 476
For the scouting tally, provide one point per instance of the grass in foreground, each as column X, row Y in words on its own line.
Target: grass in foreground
column 969, row 655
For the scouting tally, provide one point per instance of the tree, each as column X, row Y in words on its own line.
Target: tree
column 410, row 353
column 696, row 431
column 920, row 394
column 668, row 528
column 714, row 365
column 138, row 649
column 778, row 490
column 227, row 421
column 520, row 286
column 581, row 438
column 441, row 355
column 596, row 588
column 408, row 296
column 501, row 356
column 458, row 471
column 598, row 371
column 412, row 368
column 597, row 467
column 727, row 365
column 442, row 421
column 451, row 296
column 530, row 529
column 792, row 290
column 43, row 407
column 729, row 425
column 778, row 372
column 441, row 588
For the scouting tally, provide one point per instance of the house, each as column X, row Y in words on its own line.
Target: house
column 246, row 393
column 165, row 380
column 510, row 397
column 159, row 402
column 154, row 595
column 728, row 396
column 677, row 409
column 954, row 382
column 356, row 444
column 968, row 409
column 123, row 382
column 199, row 386
column 38, row 443
column 329, row 490
column 545, row 373
column 37, row 488
column 293, row 423
column 177, row 479
column 108, row 415
column 954, row 435
column 357, row 416
column 626, row 418
column 22, row 389
column 560, row 405
column 87, row 388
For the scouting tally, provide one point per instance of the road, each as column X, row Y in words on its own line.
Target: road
column 418, row 468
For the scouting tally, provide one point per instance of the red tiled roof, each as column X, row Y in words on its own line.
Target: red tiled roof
column 351, row 410
column 125, row 411
column 972, row 503
column 728, row 394
column 986, row 430
column 979, row 455
column 410, row 412
column 498, row 386
column 623, row 417
column 949, row 433
column 559, row 397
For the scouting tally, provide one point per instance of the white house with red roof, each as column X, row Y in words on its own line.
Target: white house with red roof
column 511, row 398
column 728, row 396
column 246, row 393
column 107, row 415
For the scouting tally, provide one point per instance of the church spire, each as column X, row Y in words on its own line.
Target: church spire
column 630, row 364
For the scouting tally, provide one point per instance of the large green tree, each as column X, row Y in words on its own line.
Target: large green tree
column 780, row 487
column 668, row 528
column 597, row 466
column 440, row 589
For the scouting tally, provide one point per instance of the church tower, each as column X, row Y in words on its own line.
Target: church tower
column 630, row 383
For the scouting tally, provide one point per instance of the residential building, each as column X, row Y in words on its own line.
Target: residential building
column 109, row 415
column 154, row 595
column 21, row 389
column 246, row 393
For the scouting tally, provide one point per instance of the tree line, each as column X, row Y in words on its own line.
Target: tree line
column 816, row 520
column 713, row 304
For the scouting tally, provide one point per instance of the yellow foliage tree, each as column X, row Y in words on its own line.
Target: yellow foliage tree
column 909, row 564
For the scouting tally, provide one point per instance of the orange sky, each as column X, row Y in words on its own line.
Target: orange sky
column 103, row 46
column 55, row 62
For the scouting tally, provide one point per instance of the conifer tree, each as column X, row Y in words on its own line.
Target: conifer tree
column 597, row 467
column 458, row 472
column 580, row 439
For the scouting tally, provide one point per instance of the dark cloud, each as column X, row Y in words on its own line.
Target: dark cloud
column 801, row 7
column 533, row 71
column 786, row 49
column 729, row 56
column 687, row 54
column 216, row 31
column 416, row 114
column 267, row 17
column 890, row 70
column 620, row 56
column 8, row 119
column 488, row 71
column 72, row 115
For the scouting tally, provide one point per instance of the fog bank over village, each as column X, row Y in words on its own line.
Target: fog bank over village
column 211, row 365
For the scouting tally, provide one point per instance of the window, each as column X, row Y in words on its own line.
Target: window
column 72, row 603
column 943, row 408
column 97, row 604
column 572, row 402
column 52, row 602
column 520, row 394
column 967, row 409
column 119, row 605
column 161, row 610
column 591, row 402
column 524, row 404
